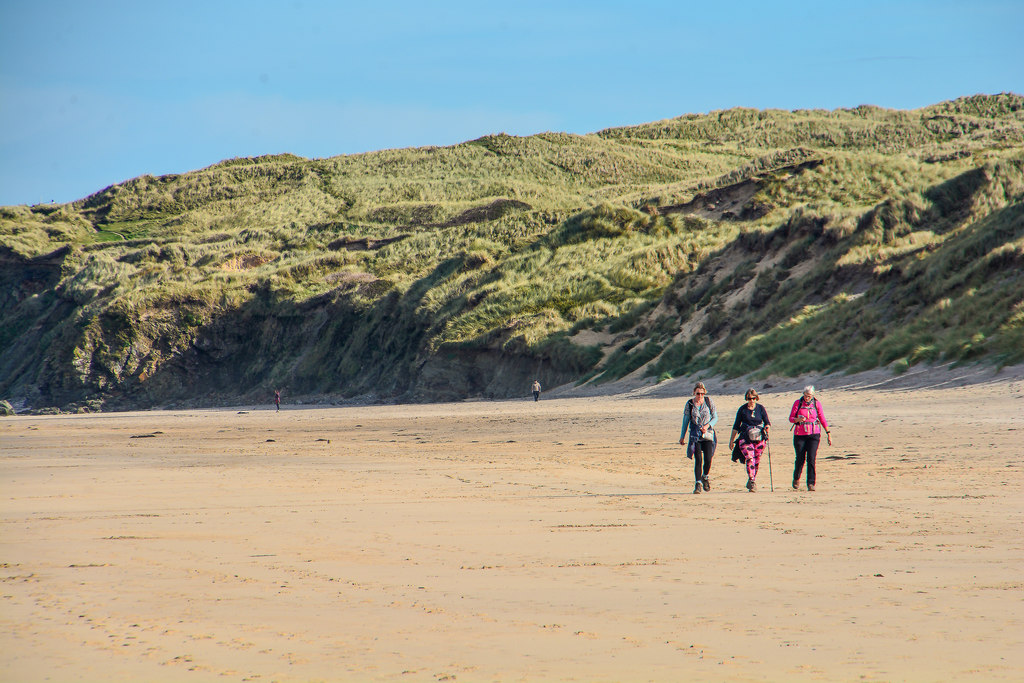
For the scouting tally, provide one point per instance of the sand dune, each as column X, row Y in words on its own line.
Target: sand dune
column 513, row 540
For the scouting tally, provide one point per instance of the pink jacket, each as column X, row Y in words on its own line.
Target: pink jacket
column 813, row 413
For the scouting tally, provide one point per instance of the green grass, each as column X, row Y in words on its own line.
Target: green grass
column 889, row 238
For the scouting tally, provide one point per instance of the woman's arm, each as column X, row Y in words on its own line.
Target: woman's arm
column 824, row 424
column 821, row 417
column 714, row 413
column 793, row 412
column 736, row 426
column 686, row 423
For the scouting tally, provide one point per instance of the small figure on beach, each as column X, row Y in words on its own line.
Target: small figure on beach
column 698, row 434
column 536, row 390
column 808, row 420
column 750, row 433
column 277, row 399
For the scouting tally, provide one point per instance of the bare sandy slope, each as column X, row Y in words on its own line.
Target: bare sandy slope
column 513, row 541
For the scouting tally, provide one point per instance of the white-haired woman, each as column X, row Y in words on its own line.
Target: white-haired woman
column 808, row 420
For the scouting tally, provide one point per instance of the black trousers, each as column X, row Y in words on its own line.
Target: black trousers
column 806, row 451
column 536, row 396
column 702, row 454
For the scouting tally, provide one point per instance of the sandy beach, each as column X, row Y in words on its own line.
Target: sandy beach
column 514, row 541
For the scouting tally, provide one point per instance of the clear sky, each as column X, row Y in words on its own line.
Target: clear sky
column 96, row 92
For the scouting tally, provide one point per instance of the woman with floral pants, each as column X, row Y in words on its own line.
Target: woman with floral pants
column 750, row 431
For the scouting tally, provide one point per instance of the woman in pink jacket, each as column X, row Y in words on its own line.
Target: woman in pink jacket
column 808, row 420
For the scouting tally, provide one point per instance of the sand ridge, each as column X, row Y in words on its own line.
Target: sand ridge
column 513, row 540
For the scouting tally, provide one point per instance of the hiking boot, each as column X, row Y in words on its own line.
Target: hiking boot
column 750, row 482
column 796, row 484
column 753, row 487
column 705, row 483
column 696, row 488
column 810, row 487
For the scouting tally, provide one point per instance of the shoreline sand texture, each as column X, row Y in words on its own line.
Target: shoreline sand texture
column 513, row 540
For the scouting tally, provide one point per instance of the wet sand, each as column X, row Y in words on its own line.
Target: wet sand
column 499, row 541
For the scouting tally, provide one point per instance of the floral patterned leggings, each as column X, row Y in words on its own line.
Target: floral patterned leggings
column 752, row 453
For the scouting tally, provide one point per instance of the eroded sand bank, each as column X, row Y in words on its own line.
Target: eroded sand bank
column 516, row 540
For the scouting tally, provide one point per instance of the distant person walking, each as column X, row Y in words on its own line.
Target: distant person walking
column 698, row 435
column 536, row 390
column 808, row 420
column 277, row 399
column 750, row 432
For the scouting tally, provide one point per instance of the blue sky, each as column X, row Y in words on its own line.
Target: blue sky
column 94, row 93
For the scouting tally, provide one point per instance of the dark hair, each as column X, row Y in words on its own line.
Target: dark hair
column 751, row 394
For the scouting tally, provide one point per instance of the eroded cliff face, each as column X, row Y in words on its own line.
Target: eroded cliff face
column 33, row 318
column 60, row 354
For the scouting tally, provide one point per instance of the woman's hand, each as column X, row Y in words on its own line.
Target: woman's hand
column 682, row 441
column 828, row 435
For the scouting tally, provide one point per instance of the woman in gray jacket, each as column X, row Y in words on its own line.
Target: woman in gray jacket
column 698, row 435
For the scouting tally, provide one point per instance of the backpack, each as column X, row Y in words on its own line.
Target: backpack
column 817, row 410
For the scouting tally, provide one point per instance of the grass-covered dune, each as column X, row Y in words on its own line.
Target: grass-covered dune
column 735, row 242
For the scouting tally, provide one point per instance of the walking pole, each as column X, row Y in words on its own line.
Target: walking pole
column 768, row 448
